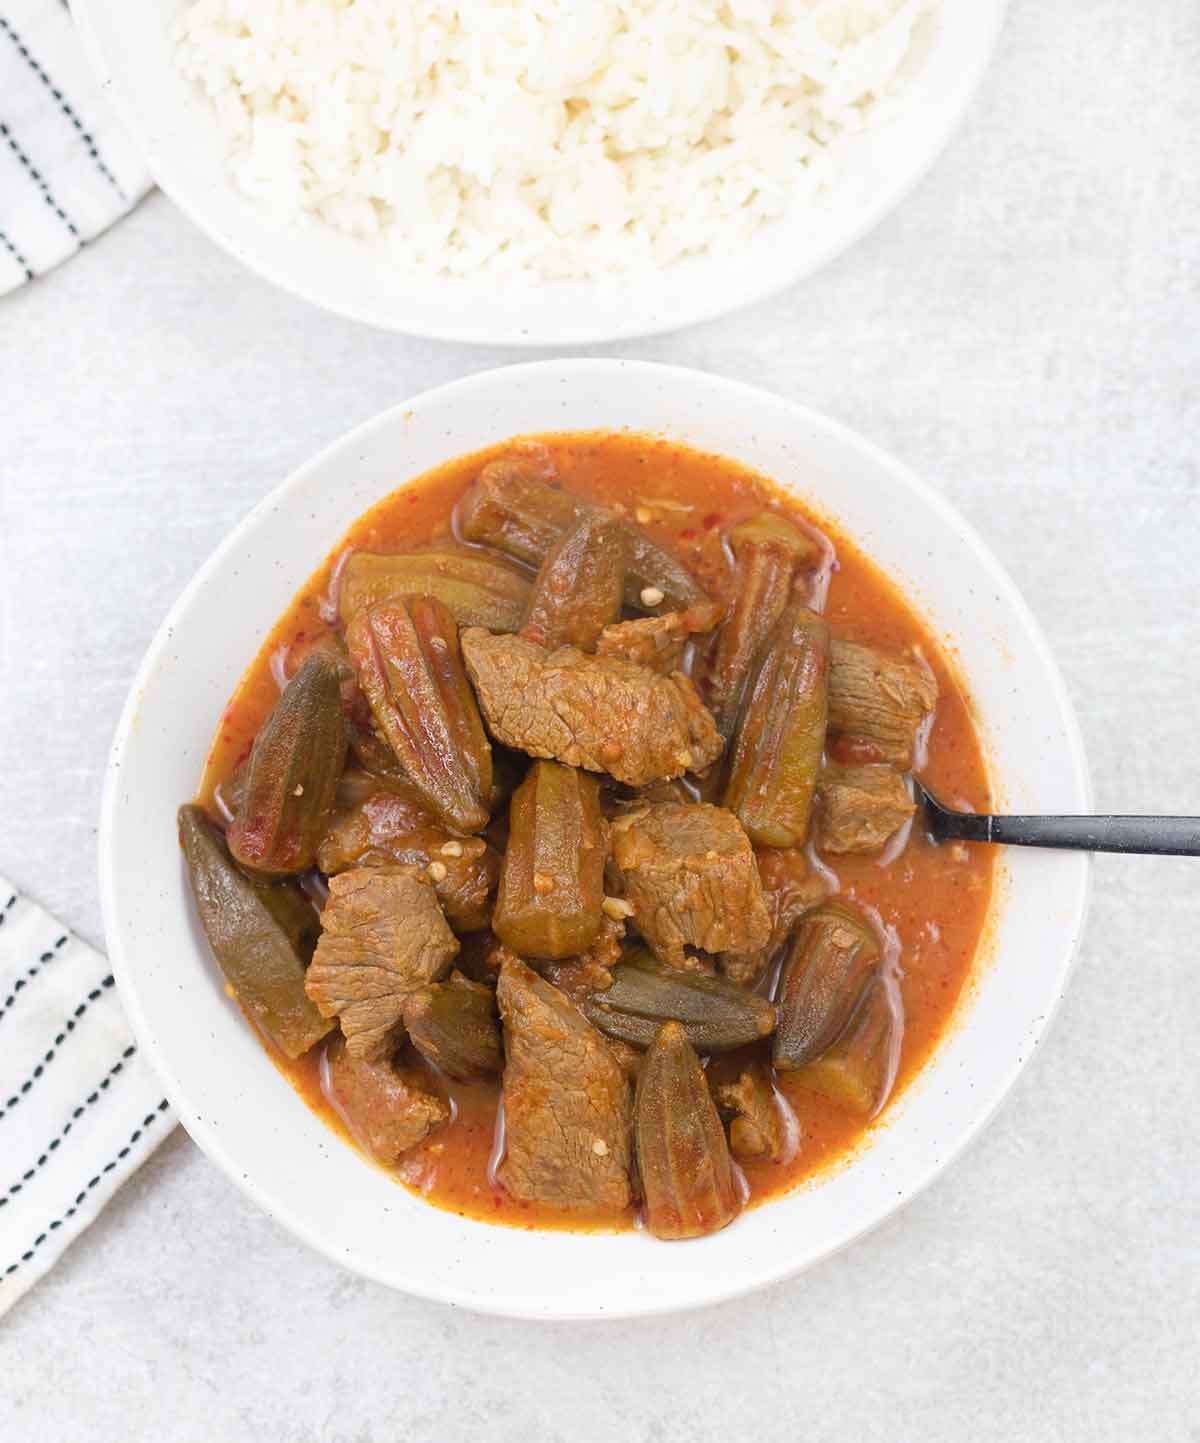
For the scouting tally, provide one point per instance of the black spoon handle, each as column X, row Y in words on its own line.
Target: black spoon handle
column 1161, row 836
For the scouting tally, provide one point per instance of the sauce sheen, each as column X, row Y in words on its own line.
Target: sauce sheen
column 934, row 901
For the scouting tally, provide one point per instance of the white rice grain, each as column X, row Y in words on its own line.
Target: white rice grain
column 539, row 139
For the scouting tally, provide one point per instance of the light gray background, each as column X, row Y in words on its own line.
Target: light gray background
column 1025, row 331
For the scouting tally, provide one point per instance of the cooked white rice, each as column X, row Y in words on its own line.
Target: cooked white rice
column 543, row 138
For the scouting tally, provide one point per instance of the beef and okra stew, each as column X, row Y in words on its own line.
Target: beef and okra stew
column 560, row 847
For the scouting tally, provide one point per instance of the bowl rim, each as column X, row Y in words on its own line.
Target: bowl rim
column 203, row 1129
column 747, row 286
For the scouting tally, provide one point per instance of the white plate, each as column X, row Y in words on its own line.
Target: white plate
column 130, row 48
column 246, row 1117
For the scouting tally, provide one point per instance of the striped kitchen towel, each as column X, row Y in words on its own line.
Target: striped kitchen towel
column 67, row 170
column 79, row 1108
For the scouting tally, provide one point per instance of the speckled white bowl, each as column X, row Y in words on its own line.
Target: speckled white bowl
column 244, row 1115
column 130, row 48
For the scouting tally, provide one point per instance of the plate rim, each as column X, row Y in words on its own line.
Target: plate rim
column 208, row 1137
column 753, row 290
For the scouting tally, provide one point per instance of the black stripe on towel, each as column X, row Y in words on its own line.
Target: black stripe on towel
column 28, row 269
column 64, row 106
column 147, row 1121
column 35, row 175
column 22, row 982
column 53, row 1145
column 67, row 1028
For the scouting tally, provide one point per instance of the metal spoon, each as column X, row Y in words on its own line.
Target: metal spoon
column 1162, row 836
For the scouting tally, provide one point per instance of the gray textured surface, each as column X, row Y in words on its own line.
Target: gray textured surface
column 1026, row 333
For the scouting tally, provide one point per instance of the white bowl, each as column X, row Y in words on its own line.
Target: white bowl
column 246, row 1117
column 130, row 48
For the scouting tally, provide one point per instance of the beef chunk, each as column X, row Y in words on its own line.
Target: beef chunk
column 383, row 936
column 454, row 1026
column 790, row 888
column 388, row 1109
column 616, row 798
column 383, row 831
column 860, row 808
column 746, row 1097
column 590, row 971
column 657, row 641
column 688, row 871
column 675, row 790
column 597, row 712
column 357, row 785
column 567, row 1104
column 878, row 702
